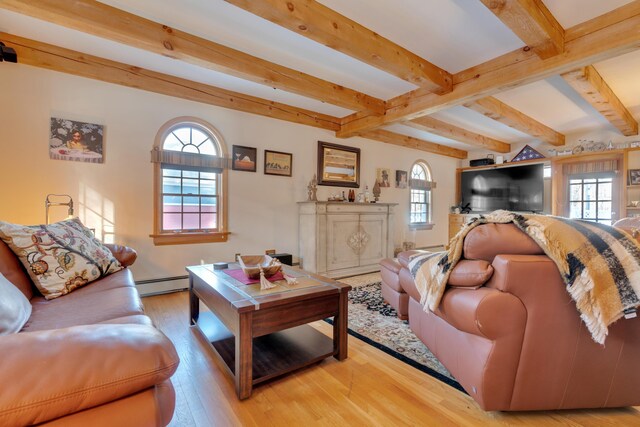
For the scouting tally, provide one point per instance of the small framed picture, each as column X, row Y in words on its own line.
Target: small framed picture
column 76, row 141
column 244, row 158
column 634, row 177
column 383, row 176
column 277, row 163
column 401, row 179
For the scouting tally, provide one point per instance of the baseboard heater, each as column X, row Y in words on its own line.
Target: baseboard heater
column 162, row 285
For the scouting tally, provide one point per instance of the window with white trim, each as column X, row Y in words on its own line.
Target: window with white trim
column 190, row 176
column 591, row 197
column 420, row 185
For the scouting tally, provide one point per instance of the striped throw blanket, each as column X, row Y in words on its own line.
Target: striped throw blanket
column 599, row 264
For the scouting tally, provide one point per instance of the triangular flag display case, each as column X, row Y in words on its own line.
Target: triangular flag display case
column 527, row 153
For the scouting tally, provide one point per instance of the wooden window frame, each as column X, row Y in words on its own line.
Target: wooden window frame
column 428, row 195
column 161, row 237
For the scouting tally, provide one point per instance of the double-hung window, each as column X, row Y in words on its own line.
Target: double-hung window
column 190, row 177
column 591, row 197
column 420, row 186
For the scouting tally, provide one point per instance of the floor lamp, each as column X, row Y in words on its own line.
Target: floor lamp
column 51, row 201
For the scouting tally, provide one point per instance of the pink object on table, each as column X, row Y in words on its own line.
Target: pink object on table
column 239, row 275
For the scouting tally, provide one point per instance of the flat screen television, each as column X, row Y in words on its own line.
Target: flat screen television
column 514, row 188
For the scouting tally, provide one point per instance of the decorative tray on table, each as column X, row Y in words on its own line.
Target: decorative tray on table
column 252, row 264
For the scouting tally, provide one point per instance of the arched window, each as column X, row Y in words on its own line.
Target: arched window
column 190, row 176
column 421, row 185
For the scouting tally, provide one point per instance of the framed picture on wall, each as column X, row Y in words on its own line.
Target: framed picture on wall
column 338, row 165
column 76, row 141
column 634, row 177
column 244, row 158
column 401, row 179
column 383, row 176
column 277, row 163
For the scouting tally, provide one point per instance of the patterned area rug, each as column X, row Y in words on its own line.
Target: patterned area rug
column 376, row 323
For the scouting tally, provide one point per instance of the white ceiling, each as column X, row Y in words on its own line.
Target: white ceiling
column 453, row 34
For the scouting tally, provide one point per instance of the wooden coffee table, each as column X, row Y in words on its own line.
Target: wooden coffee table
column 262, row 334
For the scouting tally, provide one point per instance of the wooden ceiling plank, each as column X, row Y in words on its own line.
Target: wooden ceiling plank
column 104, row 21
column 447, row 130
column 323, row 25
column 411, row 142
column 54, row 58
column 621, row 36
column 497, row 110
column 590, row 85
column 532, row 22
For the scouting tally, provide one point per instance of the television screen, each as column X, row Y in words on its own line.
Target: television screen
column 514, row 188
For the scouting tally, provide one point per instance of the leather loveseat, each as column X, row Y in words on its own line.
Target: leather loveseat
column 510, row 334
column 89, row 358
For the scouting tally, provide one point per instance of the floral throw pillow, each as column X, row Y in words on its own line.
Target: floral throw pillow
column 59, row 257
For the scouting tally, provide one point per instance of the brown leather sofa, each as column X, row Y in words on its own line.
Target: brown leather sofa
column 510, row 334
column 89, row 358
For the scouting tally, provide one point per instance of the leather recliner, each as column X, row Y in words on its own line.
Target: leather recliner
column 512, row 337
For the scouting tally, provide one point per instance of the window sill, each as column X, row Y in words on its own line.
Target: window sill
column 189, row 238
column 421, row 226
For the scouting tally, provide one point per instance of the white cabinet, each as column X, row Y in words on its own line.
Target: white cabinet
column 338, row 239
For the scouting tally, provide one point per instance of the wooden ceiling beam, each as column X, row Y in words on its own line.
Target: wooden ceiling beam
column 590, row 85
column 104, row 21
column 411, row 142
column 596, row 42
column 54, row 58
column 317, row 22
column 447, row 130
column 497, row 110
column 532, row 22
column 67, row 61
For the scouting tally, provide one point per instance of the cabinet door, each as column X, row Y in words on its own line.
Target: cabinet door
column 372, row 238
column 340, row 234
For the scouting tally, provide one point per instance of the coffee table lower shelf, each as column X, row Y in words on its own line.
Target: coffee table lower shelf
column 274, row 354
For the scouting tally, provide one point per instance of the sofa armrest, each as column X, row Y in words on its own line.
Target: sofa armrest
column 124, row 254
column 49, row 374
column 484, row 312
column 526, row 276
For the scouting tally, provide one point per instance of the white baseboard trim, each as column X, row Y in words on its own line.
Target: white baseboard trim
column 162, row 286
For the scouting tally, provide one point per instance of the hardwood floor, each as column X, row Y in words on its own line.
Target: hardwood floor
column 369, row 388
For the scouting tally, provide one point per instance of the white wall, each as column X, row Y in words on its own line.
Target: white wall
column 117, row 195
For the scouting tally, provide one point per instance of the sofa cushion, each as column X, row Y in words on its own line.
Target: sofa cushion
column 15, row 308
column 59, row 257
column 488, row 240
column 107, row 299
column 13, row 270
column 470, row 273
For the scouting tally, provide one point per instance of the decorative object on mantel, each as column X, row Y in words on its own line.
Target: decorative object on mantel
column 312, row 188
column 376, row 191
column 352, row 195
column 527, row 153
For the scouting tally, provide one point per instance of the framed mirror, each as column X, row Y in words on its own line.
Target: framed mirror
column 338, row 165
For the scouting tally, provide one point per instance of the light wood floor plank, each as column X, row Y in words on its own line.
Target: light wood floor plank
column 370, row 388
